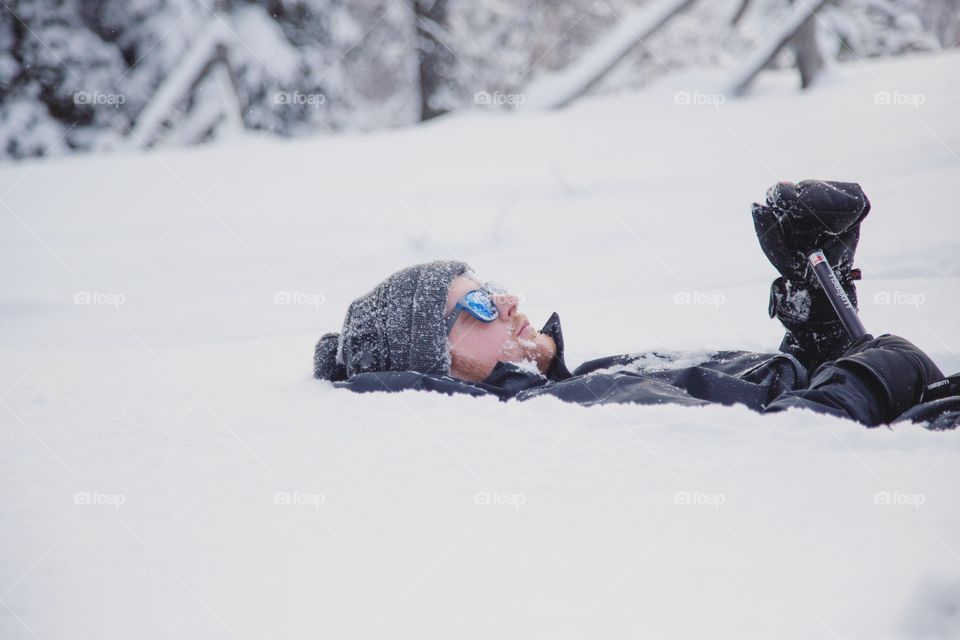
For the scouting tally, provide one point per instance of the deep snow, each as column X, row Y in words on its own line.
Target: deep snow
column 179, row 402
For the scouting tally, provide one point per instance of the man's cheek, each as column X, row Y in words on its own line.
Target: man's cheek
column 510, row 350
column 547, row 345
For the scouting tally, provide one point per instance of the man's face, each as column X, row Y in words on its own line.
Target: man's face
column 476, row 347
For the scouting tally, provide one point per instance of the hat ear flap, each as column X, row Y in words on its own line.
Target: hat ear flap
column 325, row 365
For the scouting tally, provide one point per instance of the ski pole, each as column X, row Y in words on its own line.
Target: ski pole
column 835, row 293
column 945, row 388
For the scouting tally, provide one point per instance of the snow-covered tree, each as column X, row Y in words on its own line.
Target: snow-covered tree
column 80, row 74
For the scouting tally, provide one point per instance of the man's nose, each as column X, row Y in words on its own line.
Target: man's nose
column 508, row 304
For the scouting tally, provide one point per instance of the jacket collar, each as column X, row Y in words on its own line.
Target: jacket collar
column 558, row 369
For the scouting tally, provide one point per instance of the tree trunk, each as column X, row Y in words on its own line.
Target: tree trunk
column 942, row 17
column 436, row 60
column 557, row 90
column 741, row 10
column 806, row 49
column 783, row 33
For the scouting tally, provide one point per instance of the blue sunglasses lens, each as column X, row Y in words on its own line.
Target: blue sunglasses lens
column 481, row 306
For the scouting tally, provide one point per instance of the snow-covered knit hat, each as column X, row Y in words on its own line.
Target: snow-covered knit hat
column 398, row 326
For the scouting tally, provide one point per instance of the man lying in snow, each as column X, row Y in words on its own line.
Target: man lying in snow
column 434, row 326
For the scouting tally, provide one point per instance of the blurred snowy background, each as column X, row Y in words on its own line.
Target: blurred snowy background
column 170, row 469
column 80, row 75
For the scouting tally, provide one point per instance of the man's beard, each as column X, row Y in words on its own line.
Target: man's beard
column 537, row 350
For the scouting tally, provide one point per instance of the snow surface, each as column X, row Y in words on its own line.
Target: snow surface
column 170, row 470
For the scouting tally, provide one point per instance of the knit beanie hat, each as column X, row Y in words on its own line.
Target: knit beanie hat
column 398, row 326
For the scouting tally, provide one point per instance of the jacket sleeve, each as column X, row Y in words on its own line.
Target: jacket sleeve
column 876, row 380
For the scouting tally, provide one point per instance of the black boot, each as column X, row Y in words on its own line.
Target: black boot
column 796, row 220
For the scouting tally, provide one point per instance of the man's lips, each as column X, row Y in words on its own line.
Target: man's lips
column 523, row 327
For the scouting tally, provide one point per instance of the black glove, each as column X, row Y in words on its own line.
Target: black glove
column 800, row 218
column 796, row 220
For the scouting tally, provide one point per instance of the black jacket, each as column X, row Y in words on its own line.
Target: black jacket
column 765, row 382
